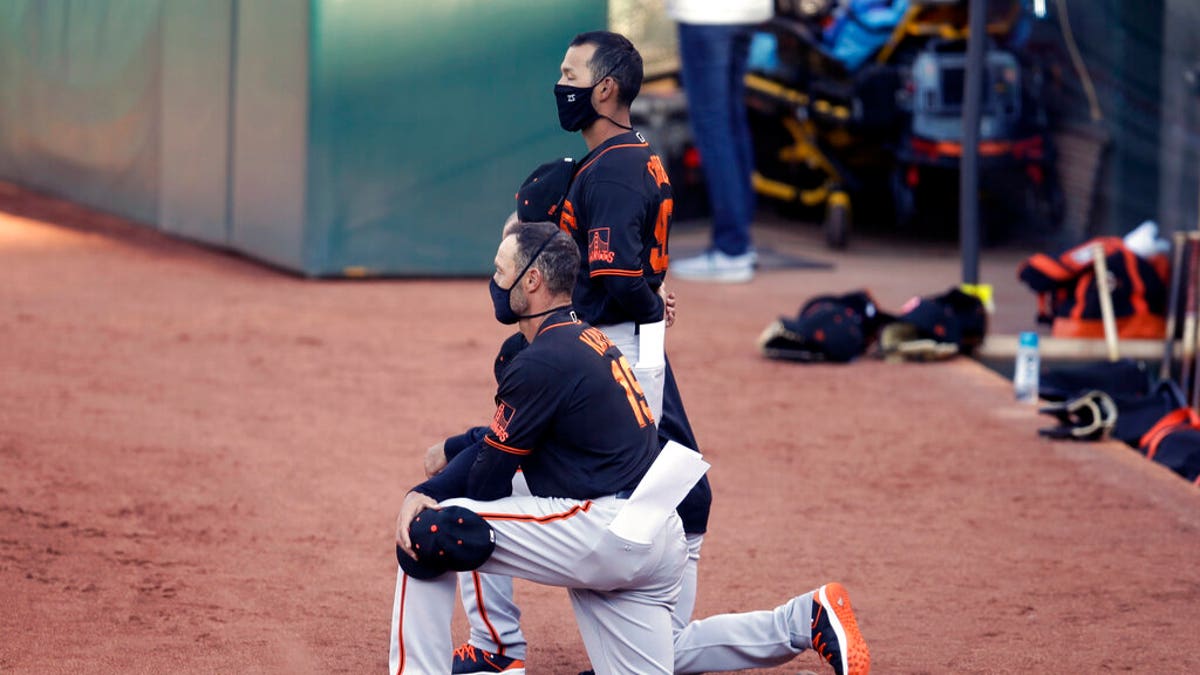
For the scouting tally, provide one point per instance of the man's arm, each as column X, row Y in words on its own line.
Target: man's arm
column 492, row 473
column 635, row 296
column 526, row 403
column 616, row 216
column 439, row 454
column 479, row 471
column 456, row 444
column 451, row 481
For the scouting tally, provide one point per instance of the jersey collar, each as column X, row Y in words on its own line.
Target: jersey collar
column 627, row 138
column 562, row 317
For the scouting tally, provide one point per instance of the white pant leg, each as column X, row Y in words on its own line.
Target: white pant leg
column 607, row 619
column 564, row 542
column 687, row 591
column 623, row 335
column 487, row 599
column 494, row 617
column 652, row 380
column 421, row 614
column 751, row 640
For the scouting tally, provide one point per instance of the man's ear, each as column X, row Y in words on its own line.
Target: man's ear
column 534, row 276
column 606, row 89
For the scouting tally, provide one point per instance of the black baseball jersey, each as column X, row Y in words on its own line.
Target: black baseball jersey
column 618, row 210
column 569, row 412
column 674, row 426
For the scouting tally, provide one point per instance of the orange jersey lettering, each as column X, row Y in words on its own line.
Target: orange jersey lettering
column 659, row 258
column 566, row 221
column 596, row 339
column 655, row 167
column 623, row 374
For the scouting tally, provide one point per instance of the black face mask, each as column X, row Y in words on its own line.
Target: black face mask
column 502, row 297
column 575, row 109
column 502, row 302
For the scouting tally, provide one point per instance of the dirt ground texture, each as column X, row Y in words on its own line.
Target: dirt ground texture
column 201, row 460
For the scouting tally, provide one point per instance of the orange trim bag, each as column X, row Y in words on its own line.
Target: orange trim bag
column 1068, row 299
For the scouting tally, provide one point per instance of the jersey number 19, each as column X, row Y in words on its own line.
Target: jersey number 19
column 633, row 391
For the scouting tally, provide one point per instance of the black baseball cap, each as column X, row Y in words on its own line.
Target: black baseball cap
column 540, row 195
column 831, row 330
column 953, row 317
column 933, row 320
column 450, row 538
column 508, row 351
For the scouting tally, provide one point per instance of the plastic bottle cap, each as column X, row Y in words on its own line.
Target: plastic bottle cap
column 1028, row 339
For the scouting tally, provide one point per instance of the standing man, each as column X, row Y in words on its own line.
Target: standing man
column 619, row 204
column 714, row 45
column 617, row 208
column 570, row 414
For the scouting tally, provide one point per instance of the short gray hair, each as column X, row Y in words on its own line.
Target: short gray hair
column 558, row 262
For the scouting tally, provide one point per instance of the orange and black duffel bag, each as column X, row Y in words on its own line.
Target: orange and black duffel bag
column 1069, row 300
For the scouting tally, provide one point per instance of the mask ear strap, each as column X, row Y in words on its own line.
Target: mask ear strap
column 527, row 266
column 603, row 77
column 597, row 84
column 532, row 259
column 626, row 128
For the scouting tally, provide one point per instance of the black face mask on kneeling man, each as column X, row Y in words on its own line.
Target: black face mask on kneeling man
column 502, row 297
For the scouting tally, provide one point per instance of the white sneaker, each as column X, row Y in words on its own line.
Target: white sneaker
column 716, row 266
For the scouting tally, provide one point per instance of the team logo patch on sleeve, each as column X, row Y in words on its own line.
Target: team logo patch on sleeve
column 598, row 246
column 504, row 415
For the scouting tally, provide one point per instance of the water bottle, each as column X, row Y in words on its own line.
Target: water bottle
column 1025, row 372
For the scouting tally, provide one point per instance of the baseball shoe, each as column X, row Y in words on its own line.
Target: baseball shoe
column 835, row 634
column 716, row 266
column 469, row 660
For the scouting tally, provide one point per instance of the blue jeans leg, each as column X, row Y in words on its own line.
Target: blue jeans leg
column 713, row 67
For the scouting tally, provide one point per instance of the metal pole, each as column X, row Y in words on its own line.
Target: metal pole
column 1181, row 242
column 968, row 185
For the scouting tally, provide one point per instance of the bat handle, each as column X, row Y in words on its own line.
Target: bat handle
column 1106, row 308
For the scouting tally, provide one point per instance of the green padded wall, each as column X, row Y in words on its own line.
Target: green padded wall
column 79, row 101
column 270, row 132
column 325, row 137
column 425, row 117
column 197, row 54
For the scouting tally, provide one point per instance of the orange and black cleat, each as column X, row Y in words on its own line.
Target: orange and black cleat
column 835, row 634
column 471, row 661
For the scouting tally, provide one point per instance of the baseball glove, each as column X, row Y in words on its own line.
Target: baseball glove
column 1089, row 417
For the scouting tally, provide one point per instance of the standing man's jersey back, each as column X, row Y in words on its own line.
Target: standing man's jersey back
column 620, row 182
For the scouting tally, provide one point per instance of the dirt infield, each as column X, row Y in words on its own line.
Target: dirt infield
column 201, row 460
